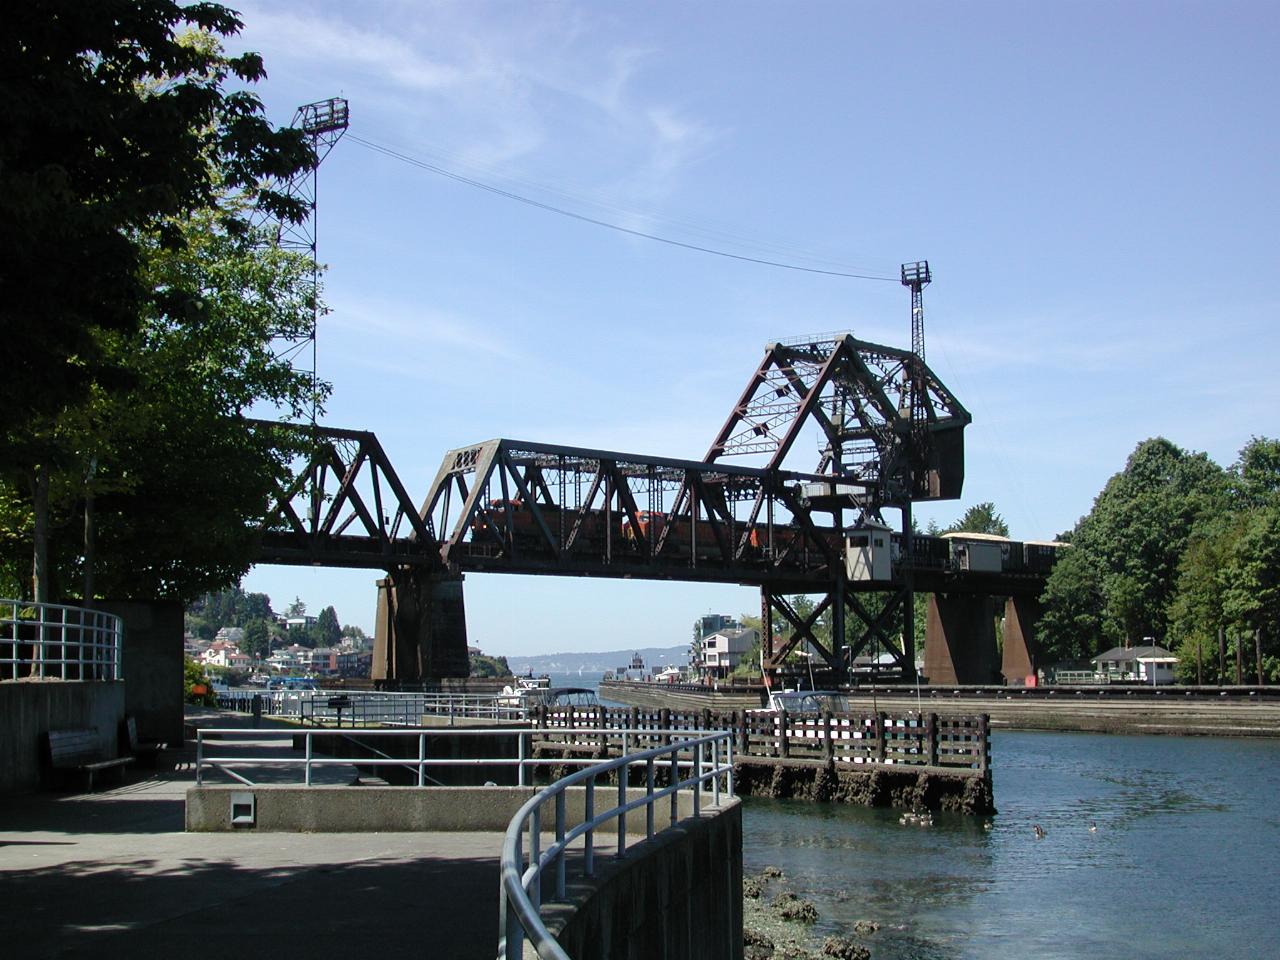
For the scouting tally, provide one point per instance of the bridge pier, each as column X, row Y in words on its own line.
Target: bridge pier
column 421, row 630
column 960, row 640
column 1021, row 649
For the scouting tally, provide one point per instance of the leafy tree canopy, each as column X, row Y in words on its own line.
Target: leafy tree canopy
column 114, row 125
column 980, row 518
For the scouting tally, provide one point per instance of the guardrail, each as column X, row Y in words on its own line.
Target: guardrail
column 521, row 891
column 418, row 761
column 56, row 641
column 359, row 708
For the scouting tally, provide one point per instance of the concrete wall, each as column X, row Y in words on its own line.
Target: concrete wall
column 676, row 897
column 31, row 708
column 152, row 665
column 282, row 809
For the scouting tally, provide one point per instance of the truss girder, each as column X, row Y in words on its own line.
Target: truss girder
column 343, row 504
column 543, row 508
column 878, row 409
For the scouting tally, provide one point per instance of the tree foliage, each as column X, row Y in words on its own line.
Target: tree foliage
column 136, row 305
column 1173, row 549
column 113, row 125
column 980, row 518
column 328, row 630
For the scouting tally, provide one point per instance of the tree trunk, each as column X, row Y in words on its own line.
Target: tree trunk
column 1239, row 661
column 90, row 535
column 40, row 561
column 1222, row 655
column 1257, row 650
column 40, row 537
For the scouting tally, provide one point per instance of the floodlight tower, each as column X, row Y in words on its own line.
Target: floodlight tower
column 917, row 276
column 323, row 123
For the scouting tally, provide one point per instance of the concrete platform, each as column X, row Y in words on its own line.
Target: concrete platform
column 112, row 874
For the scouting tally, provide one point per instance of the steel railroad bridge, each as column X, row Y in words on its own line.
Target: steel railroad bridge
column 889, row 434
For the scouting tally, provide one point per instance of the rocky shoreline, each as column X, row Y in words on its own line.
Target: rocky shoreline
column 778, row 925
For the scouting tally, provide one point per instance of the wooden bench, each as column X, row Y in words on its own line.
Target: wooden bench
column 146, row 753
column 78, row 751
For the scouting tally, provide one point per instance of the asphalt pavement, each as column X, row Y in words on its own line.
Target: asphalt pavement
column 113, row 874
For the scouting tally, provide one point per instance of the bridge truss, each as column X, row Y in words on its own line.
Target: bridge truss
column 514, row 506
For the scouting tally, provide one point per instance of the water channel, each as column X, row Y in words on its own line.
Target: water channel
column 1182, row 862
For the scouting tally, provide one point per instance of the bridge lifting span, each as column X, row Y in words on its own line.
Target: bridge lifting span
column 889, row 434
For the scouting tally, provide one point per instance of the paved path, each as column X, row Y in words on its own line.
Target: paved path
column 112, row 874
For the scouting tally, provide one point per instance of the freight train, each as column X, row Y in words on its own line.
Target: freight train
column 972, row 553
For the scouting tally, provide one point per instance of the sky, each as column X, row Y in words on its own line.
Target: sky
column 1092, row 183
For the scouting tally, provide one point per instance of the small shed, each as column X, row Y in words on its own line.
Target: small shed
column 1150, row 664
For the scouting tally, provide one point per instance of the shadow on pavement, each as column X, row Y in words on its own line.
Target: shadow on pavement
column 142, row 909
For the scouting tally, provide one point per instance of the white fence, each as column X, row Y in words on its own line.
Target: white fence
column 53, row 641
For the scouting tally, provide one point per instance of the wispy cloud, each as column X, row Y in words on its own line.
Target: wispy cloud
column 531, row 91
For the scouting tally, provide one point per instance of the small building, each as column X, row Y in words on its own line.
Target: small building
column 724, row 650
column 1150, row 664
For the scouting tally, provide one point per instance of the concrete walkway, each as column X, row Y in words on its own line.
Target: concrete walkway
column 112, row 874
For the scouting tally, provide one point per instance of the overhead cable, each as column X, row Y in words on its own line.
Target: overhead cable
column 499, row 191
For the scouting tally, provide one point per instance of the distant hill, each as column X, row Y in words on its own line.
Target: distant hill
column 599, row 662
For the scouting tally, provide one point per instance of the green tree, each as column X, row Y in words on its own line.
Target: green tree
column 257, row 639
column 1255, row 477
column 328, row 630
column 980, row 518
column 118, row 128
column 1251, row 598
column 1118, row 581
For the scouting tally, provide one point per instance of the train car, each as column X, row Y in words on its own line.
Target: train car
column 1039, row 556
column 984, row 552
column 652, row 524
column 525, row 531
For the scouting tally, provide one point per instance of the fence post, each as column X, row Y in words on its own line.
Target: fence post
column 588, row 839
column 881, row 735
column 784, row 740
column 706, row 719
column 744, row 742
column 560, row 825
column 622, row 817
column 521, row 758
column 828, row 747
column 984, row 743
column 931, row 732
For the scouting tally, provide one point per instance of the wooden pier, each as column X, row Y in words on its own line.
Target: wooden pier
column 910, row 760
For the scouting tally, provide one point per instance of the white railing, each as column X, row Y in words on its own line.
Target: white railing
column 709, row 760
column 359, row 708
column 54, row 641
column 417, row 759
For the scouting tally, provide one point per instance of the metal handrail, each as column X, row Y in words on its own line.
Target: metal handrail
column 360, row 707
column 309, row 761
column 54, row 640
column 519, row 906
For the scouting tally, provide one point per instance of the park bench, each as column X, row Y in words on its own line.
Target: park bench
column 78, row 751
column 147, row 753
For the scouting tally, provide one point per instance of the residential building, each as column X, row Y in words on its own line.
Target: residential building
column 723, row 650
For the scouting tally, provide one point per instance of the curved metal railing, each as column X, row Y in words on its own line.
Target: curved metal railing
column 709, row 760
column 56, row 641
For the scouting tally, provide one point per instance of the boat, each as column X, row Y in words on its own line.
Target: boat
column 528, row 697
column 806, row 701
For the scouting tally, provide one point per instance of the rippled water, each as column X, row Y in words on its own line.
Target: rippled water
column 1183, row 862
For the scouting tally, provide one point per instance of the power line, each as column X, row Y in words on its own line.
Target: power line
column 490, row 188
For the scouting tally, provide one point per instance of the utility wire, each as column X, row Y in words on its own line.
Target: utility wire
column 445, row 172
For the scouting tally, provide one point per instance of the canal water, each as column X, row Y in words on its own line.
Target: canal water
column 1184, row 860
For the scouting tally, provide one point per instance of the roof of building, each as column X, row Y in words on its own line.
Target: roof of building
column 1149, row 652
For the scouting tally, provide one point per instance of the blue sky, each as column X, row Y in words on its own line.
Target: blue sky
column 1093, row 184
